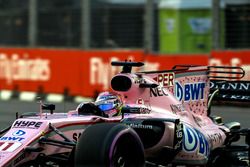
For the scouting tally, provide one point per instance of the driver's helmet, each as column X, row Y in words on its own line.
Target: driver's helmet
column 109, row 103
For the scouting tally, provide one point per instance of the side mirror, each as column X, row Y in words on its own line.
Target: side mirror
column 50, row 107
column 131, row 110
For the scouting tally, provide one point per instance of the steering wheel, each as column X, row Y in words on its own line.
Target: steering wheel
column 90, row 109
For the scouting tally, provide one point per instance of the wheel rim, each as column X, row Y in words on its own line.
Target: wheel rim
column 120, row 162
column 119, row 157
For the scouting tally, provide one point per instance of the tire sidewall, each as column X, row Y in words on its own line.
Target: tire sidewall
column 99, row 142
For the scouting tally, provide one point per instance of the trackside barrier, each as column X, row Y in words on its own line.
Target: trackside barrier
column 27, row 96
column 78, row 73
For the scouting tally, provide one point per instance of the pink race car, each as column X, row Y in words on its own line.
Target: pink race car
column 164, row 120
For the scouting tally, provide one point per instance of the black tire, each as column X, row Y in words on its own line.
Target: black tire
column 109, row 145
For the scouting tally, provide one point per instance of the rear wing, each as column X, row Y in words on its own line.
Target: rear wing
column 225, row 72
column 226, row 84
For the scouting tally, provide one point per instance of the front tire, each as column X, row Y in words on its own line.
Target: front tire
column 109, row 145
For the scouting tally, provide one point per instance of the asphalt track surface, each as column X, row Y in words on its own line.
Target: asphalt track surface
column 9, row 108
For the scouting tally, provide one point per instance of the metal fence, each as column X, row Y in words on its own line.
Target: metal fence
column 129, row 24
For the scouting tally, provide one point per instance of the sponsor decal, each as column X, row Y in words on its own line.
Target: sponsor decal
column 177, row 108
column 236, row 97
column 27, row 124
column 165, row 79
column 140, row 126
column 76, row 136
column 242, row 86
column 11, row 138
column 195, row 141
column 139, row 80
column 144, row 110
column 17, row 68
column 190, row 91
column 9, row 146
column 178, row 136
column 140, row 101
column 158, row 91
column 19, row 133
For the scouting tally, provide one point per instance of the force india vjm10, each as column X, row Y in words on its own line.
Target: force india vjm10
column 165, row 121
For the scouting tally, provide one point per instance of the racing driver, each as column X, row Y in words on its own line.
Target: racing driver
column 107, row 104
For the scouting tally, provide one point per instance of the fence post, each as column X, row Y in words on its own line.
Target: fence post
column 85, row 24
column 148, row 26
column 216, row 24
column 32, row 30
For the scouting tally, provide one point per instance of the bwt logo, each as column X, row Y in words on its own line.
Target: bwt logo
column 195, row 140
column 19, row 133
column 190, row 91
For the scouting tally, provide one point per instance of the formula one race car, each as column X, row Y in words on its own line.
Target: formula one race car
column 164, row 120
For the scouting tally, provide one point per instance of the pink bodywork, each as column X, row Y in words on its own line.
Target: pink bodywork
column 192, row 112
column 67, row 123
column 180, row 95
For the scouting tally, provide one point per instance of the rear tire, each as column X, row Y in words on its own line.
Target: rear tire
column 109, row 145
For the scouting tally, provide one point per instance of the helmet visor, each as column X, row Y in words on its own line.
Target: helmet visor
column 106, row 106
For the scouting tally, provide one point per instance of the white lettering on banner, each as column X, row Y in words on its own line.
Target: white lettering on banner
column 149, row 66
column 15, row 68
column 101, row 72
column 217, row 62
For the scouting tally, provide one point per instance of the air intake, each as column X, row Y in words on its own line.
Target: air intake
column 121, row 83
